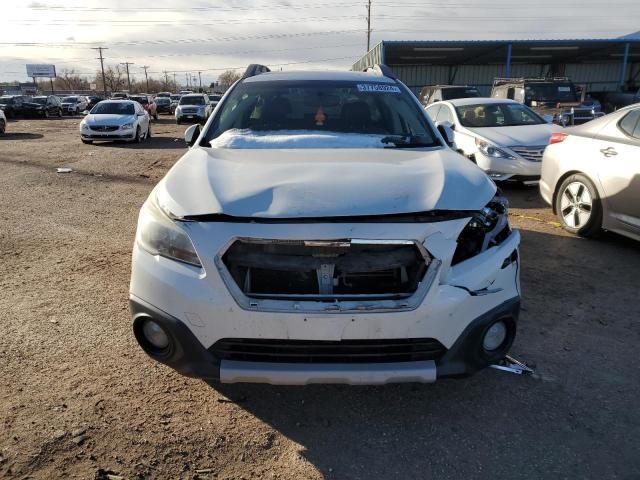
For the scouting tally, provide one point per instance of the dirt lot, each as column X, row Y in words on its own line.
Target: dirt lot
column 78, row 395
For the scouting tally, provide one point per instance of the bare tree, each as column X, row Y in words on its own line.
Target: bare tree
column 228, row 78
column 69, row 80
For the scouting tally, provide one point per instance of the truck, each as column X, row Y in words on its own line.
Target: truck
column 557, row 99
column 612, row 101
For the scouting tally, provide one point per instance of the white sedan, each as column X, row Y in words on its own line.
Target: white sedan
column 503, row 137
column 116, row 120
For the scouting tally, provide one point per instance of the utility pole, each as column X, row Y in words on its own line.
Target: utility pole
column 104, row 81
column 175, row 83
column 186, row 75
column 146, row 77
column 166, row 79
column 368, row 25
column 126, row 64
column 200, row 78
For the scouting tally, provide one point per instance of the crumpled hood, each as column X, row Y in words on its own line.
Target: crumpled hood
column 109, row 119
column 293, row 183
column 525, row 135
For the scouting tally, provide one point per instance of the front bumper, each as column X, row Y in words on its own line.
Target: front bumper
column 197, row 309
column 502, row 169
column 117, row 135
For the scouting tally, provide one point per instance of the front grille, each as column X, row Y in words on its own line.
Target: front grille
column 190, row 110
column 321, row 351
column 104, row 128
column 533, row 154
column 325, row 270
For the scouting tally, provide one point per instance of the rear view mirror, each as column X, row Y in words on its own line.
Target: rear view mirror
column 447, row 133
column 191, row 134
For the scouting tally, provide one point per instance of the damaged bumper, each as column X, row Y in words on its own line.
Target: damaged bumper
column 233, row 326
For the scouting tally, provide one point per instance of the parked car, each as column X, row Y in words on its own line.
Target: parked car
column 321, row 229
column 93, row 100
column 194, row 107
column 74, row 105
column 436, row 93
column 3, row 122
column 119, row 95
column 214, row 99
column 612, row 101
column 591, row 175
column 175, row 99
column 43, row 106
column 12, row 105
column 503, row 137
column 163, row 95
column 147, row 103
column 116, row 120
column 556, row 98
column 163, row 105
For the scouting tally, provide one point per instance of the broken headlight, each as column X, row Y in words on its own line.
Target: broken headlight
column 487, row 228
column 159, row 235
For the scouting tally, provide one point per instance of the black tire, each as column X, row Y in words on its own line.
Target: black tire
column 87, row 142
column 578, row 206
column 178, row 122
column 136, row 139
column 60, row 113
column 46, row 113
column 155, row 116
column 148, row 135
column 3, row 126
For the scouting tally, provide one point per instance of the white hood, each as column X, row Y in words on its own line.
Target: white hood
column 291, row 183
column 524, row 135
column 109, row 119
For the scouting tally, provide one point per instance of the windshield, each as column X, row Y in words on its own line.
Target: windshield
column 192, row 101
column 550, row 92
column 459, row 92
column 176, row 97
column 497, row 115
column 318, row 107
column 163, row 100
column 215, row 98
column 141, row 100
column 113, row 108
column 70, row 100
column 6, row 101
column 40, row 100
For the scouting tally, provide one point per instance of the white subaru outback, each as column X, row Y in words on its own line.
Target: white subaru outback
column 321, row 230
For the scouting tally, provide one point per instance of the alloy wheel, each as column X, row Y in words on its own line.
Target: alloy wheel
column 576, row 205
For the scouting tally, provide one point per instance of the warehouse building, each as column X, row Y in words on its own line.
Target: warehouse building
column 599, row 64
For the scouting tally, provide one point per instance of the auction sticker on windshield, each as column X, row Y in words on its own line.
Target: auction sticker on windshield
column 373, row 87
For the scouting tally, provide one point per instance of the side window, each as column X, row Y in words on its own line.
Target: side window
column 433, row 111
column 445, row 115
column 511, row 93
column 630, row 124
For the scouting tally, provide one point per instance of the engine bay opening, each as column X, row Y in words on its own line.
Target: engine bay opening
column 326, row 270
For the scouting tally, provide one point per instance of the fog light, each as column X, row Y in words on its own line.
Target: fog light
column 495, row 336
column 155, row 335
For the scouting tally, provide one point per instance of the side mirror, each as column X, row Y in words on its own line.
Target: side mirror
column 447, row 133
column 548, row 118
column 85, row 112
column 191, row 134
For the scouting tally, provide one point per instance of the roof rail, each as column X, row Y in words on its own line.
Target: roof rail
column 382, row 69
column 255, row 69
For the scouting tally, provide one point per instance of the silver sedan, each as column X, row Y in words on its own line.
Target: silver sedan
column 591, row 175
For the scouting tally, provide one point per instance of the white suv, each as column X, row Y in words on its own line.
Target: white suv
column 321, row 230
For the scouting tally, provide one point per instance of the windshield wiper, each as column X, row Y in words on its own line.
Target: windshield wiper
column 407, row 141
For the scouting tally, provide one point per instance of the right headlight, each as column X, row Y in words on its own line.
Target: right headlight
column 487, row 228
column 491, row 150
column 159, row 235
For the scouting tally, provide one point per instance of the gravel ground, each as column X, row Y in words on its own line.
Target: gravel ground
column 78, row 396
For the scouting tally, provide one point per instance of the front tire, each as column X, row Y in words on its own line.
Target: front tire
column 3, row 126
column 148, row 135
column 136, row 139
column 579, row 207
column 60, row 113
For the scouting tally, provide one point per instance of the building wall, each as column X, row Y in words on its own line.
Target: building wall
column 595, row 76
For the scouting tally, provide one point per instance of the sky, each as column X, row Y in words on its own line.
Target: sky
column 210, row 37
